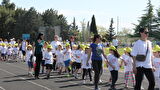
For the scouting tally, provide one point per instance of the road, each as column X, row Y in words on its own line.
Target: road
column 13, row 76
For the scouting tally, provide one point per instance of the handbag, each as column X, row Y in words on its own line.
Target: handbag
column 141, row 57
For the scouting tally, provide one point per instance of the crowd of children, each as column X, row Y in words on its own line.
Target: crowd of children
column 75, row 60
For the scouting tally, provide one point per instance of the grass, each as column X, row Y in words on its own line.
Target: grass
column 120, row 50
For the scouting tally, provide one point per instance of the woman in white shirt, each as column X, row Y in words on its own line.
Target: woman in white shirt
column 143, row 65
column 113, row 65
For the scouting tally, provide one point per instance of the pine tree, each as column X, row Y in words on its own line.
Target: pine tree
column 146, row 20
column 111, row 31
column 93, row 27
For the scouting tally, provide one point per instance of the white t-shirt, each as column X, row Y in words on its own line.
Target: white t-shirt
column 24, row 46
column 9, row 51
column 156, row 64
column 1, row 42
column 1, row 49
column 74, row 55
column 6, row 42
column 128, row 61
column 4, row 50
column 67, row 55
column 48, row 58
column 12, row 42
column 140, row 47
column 84, row 62
column 55, row 45
column 44, row 50
column 79, row 54
column 29, row 53
column 60, row 56
column 114, row 61
column 15, row 50
column 115, row 42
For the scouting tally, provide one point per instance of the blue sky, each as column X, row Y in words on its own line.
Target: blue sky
column 128, row 11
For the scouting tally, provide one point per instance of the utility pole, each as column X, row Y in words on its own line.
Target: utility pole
column 117, row 24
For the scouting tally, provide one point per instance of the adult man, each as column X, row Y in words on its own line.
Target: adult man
column 143, row 65
column 115, row 42
column 55, row 44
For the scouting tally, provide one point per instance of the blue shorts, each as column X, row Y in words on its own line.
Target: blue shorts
column 3, row 54
column 30, row 64
column 67, row 62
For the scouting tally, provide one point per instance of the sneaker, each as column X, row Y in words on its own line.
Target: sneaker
column 100, row 81
column 75, row 76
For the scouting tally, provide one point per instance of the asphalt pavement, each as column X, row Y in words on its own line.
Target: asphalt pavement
column 14, row 76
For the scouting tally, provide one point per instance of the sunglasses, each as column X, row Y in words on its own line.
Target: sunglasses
column 146, row 32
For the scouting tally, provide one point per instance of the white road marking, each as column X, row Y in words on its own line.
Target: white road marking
column 1, row 88
column 26, row 80
column 53, row 77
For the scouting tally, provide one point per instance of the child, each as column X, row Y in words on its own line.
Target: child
column 29, row 60
column 86, row 68
column 113, row 64
column 0, row 51
column 9, row 52
column 79, row 54
column 59, row 58
column 128, row 61
column 15, row 51
column 156, row 64
column 73, row 63
column 3, row 51
column 67, row 58
column 43, row 60
column 48, row 60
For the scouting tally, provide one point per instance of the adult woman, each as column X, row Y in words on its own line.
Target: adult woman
column 143, row 65
column 97, row 52
column 38, row 53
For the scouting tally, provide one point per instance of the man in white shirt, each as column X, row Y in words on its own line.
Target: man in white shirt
column 141, row 68
column 55, row 44
column 115, row 42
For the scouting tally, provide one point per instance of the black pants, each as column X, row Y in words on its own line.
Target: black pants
column 139, row 77
column 114, row 75
column 38, row 62
column 97, row 68
column 54, row 62
column 85, row 72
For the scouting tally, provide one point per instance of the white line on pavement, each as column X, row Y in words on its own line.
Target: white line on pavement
column 26, row 80
column 53, row 76
column 1, row 88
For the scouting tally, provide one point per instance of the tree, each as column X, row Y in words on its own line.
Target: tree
column 125, row 32
column 93, row 27
column 146, row 20
column 73, row 31
column 6, row 19
column 156, row 25
column 111, row 31
column 64, row 27
column 50, row 17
